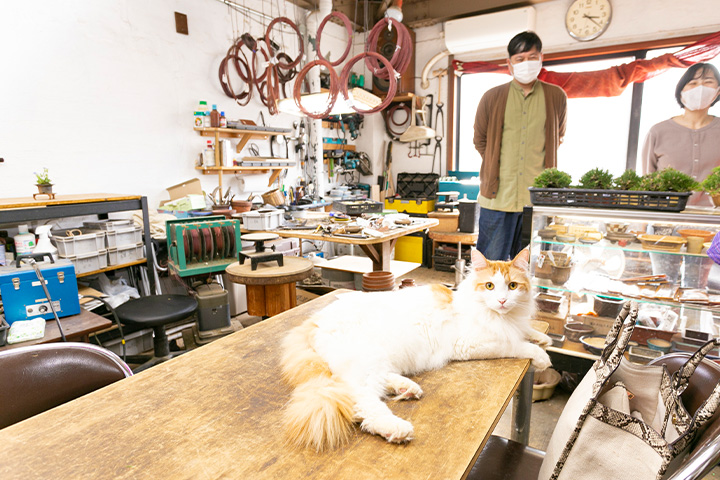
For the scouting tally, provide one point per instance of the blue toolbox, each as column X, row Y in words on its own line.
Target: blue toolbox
column 24, row 298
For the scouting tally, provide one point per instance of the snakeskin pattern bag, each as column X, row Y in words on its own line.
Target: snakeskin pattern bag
column 626, row 420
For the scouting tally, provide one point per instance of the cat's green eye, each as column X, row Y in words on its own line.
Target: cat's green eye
column 489, row 285
column 512, row 285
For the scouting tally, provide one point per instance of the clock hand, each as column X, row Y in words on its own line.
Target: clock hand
column 585, row 15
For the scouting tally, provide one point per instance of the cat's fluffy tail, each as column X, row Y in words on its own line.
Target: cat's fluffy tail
column 320, row 412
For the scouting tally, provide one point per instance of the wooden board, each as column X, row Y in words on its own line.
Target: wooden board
column 349, row 263
column 215, row 413
column 75, row 327
column 392, row 234
column 270, row 273
column 24, row 202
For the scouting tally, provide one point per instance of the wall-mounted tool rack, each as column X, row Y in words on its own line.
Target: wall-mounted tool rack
column 202, row 245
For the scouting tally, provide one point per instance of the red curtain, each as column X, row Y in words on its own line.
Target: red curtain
column 612, row 81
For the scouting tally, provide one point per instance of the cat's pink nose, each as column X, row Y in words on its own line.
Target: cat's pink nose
column 502, row 301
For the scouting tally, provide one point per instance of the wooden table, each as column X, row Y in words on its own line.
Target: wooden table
column 215, row 411
column 378, row 249
column 76, row 328
column 458, row 238
column 270, row 288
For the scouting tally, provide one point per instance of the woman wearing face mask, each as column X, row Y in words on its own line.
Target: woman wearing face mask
column 689, row 142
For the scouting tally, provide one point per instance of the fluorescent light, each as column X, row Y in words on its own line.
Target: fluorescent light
column 317, row 102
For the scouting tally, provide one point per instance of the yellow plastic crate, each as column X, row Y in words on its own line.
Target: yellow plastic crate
column 409, row 249
column 410, row 205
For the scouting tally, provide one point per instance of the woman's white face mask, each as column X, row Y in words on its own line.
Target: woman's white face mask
column 698, row 98
column 527, row 71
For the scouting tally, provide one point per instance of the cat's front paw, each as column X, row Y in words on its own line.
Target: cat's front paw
column 403, row 388
column 543, row 340
column 541, row 361
column 392, row 428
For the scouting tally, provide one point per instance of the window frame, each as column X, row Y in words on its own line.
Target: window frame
column 638, row 50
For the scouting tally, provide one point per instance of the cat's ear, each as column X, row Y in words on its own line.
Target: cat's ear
column 522, row 260
column 478, row 259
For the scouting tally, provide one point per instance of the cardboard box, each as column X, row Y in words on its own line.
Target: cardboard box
column 448, row 221
column 184, row 197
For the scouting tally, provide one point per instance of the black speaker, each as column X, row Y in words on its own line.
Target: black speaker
column 386, row 47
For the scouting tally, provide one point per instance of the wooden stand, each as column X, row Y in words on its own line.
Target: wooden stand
column 270, row 288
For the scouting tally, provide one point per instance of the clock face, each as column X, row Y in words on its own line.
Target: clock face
column 588, row 19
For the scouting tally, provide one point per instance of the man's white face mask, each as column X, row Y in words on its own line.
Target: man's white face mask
column 698, row 98
column 527, row 72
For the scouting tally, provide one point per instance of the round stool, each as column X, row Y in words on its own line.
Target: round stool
column 156, row 311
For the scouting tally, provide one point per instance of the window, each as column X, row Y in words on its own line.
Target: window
column 598, row 130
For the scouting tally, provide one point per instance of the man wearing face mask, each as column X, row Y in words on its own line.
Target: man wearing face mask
column 518, row 128
column 689, row 142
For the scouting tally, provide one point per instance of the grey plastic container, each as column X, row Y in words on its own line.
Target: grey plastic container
column 88, row 262
column 108, row 224
column 87, row 242
column 125, row 254
column 121, row 237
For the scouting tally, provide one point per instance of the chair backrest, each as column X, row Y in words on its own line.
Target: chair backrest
column 705, row 454
column 39, row 377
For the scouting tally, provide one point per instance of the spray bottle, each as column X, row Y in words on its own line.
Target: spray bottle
column 43, row 243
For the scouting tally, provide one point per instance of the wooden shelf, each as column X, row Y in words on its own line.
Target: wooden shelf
column 114, row 267
column 233, row 132
column 220, row 170
column 338, row 146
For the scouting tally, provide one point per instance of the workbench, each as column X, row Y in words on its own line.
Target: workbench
column 77, row 328
column 378, row 249
column 215, row 412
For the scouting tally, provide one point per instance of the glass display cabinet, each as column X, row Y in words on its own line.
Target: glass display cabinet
column 586, row 262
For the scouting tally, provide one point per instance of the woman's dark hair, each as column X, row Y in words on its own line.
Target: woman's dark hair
column 524, row 42
column 692, row 73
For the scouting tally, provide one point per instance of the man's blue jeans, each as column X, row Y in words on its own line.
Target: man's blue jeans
column 499, row 234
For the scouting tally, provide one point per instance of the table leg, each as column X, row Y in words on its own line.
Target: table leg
column 522, row 405
column 380, row 254
column 269, row 300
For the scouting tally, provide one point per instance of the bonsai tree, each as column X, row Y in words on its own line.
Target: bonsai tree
column 629, row 180
column 43, row 178
column 668, row 180
column 552, row 178
column 597, row 179
column 711, row 184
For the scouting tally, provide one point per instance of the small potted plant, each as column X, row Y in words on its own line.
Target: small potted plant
column 552, row 178
column 44, row 183
column 711, row 186
column 668, row 180
column 628, row 181
column 597, row 179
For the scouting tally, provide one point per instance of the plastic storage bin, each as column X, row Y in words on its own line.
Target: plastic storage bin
column 125, row 254
column 121, row 237
column 108, row 224
column 262, row 220
column 88, row 262
column 90, row 242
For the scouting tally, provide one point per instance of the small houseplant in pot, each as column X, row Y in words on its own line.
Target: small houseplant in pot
column 597, row 179
column 668, row 180
column 44, row 183
column 552, row 178
column 711, row 186
column 628, row 181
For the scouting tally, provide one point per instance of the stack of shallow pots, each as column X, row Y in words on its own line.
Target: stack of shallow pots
column 378, row 281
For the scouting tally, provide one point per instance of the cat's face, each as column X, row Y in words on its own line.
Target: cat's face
column 502, row 285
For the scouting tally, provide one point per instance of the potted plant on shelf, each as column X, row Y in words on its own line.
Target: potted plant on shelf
column 44, row 183
column 597, row 179
column 552, row 178
column 668, row 180
column 711, row 186
column 628, row 181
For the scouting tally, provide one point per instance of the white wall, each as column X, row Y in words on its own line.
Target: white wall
column 103, row 92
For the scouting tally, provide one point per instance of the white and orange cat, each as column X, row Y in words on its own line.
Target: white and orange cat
column 357, row 351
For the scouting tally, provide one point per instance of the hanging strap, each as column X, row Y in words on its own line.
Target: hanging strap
column 681, row 378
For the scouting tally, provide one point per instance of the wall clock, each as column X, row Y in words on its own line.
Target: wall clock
column 588, row 19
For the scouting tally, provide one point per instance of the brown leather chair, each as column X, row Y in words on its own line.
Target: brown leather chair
column 504, row 459
column 36, row 378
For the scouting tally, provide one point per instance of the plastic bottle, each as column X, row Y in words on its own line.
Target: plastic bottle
column 206, row 120
column 202, row 107
column 43, row 243
column 214, row 117
column 24, row 240
column 223, row 120
column 199, row 118
column 209, row 155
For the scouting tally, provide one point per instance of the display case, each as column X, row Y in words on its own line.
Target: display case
column 585, row 263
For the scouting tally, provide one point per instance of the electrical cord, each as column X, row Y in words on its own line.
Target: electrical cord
column 272, row 48
column 345, row 76
column 403, row 49
column 31, row 261
column 333, row 88
column 117, row 322
column 390, row 119
column 348, row 28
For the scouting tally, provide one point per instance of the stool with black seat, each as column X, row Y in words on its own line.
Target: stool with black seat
column 156, row 311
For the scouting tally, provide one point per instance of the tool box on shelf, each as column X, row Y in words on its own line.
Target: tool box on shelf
column 416, row 193
column 24, row 297
column 202, row 245
column 357, row 207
